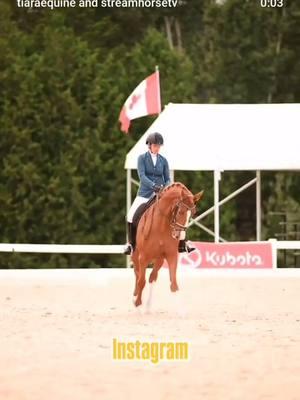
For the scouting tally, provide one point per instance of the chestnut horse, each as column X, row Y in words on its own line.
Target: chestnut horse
column 158, row 235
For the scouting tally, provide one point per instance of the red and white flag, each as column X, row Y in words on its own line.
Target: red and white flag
column 144, row 100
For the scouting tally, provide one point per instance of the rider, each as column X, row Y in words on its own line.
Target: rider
column 154, row 174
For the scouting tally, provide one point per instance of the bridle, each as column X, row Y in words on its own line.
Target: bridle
column 177, row 227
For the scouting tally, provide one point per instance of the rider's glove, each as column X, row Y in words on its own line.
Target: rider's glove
column 157, row 188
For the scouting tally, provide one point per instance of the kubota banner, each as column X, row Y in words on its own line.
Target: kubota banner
column 229, row 255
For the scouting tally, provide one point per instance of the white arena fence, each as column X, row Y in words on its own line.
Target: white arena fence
column 118, row 249
column 61, row 248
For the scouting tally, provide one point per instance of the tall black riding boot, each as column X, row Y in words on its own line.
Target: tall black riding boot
column 183, row 247
column 133, row 236
column 129, row 248
column 131, row 228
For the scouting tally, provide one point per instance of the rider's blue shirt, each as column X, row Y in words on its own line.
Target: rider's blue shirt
column 151, row 175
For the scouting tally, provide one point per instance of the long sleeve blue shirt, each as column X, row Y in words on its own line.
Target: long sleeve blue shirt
column 151, row 175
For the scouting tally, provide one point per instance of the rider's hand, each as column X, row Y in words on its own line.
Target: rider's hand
column 157, row 188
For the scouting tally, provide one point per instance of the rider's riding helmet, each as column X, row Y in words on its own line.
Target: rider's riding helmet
column 155, row 138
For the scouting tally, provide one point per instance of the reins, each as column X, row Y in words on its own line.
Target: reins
column 176, row 226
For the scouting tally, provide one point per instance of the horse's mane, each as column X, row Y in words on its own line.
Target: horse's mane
column 175, row 185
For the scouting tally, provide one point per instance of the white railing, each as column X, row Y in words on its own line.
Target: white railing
column 287, row 245
column 61, row 248
column 112, row 249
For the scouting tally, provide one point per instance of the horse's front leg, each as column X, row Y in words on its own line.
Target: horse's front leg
column 156, row 267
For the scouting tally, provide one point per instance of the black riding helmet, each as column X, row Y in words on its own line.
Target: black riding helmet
column 155, row 138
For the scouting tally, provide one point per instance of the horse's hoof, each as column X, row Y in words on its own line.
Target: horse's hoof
column 137, row 303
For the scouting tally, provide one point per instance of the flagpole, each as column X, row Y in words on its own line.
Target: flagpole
column 172, row 172
column 158, row 87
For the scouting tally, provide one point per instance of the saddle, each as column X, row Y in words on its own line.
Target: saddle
column 140, row 211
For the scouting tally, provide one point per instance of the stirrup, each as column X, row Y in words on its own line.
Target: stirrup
column 184, row 247
column 128, row 250
column 189, row 249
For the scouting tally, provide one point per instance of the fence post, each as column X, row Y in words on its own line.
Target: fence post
column 274, row 252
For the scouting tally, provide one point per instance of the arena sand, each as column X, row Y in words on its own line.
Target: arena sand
column 57, row 327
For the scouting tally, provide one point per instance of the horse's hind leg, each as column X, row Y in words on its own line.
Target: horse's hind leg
column 156, row 267
column 141, row 281
column 172, row 261
column 152, row 279
column 135, row 260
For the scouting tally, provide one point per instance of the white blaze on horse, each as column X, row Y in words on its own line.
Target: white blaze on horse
column 158, row 234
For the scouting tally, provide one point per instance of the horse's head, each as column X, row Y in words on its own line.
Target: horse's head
column 182, row 206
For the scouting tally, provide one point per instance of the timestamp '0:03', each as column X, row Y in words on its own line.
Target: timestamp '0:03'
column 271, row 3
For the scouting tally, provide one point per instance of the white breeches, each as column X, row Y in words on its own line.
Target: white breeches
column 134, row 206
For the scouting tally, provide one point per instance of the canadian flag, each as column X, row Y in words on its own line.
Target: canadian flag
column 144, row 100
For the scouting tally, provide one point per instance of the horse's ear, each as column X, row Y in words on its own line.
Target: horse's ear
column 198, row 196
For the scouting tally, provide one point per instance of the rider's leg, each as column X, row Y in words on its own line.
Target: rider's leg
column 183, row 245
column 129, row 248
column 131, row 228
column 133, row 235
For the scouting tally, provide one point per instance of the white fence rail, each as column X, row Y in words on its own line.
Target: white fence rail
column 287, row 245
column 112, row 249
column 61, row 248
